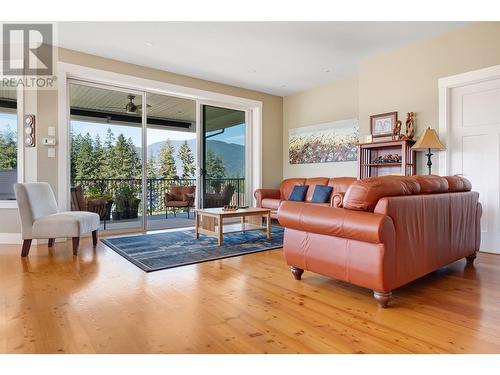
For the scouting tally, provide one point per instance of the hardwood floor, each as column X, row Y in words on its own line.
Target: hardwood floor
column 98, row 302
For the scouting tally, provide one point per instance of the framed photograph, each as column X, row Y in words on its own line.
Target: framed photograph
column 382, row 125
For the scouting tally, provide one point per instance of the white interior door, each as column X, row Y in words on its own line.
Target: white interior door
column 475, row 150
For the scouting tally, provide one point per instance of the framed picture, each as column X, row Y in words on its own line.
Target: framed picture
column 324, row 143
column 382, row 125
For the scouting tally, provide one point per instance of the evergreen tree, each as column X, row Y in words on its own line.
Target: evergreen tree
column 8, row 150
column 107, row 163
column 214, row 166
column 167, row 167
column 98, row 153
column 124, row 159
column 186, row 157
column 85, row 164
column 151, row 169
column 76, row 141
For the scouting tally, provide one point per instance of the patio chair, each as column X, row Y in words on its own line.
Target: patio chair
column 221, row 199
column 179, row 197
column 100, row 206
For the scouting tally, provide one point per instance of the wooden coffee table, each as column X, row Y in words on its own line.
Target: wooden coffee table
column 210, row 221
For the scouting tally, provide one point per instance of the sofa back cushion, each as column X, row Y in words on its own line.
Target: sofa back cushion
column 364, row 194
column 458, row 184
column 432, row 184
column 287, row 186
column 298, row 193
column 341, row 184
column 313, row 182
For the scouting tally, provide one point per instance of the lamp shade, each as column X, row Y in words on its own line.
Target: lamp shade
column 428, row 140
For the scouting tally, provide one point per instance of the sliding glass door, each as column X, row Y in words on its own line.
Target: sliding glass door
column 106, row 154
column 223, row 173
column 135, row 157
column 171, row 162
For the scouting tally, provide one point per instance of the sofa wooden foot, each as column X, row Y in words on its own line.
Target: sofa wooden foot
column 26, row 248
column 94, row 238
column 76, row 243
column 51, row 242
column 382, row 298
column 297, row 272
column 470, row 259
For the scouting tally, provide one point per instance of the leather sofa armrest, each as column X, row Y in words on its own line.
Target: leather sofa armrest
column 260, row 194
column 337, row 199
column 338, row 222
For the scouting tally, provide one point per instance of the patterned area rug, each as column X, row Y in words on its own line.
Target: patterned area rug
column 153, row 252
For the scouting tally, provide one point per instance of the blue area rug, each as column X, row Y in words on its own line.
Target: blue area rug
column 153, row 252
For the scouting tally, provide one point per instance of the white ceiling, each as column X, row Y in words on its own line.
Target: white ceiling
column 279, row 58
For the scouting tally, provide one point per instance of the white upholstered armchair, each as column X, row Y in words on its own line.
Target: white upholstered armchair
column 41, row 219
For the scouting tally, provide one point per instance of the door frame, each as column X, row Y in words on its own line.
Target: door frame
column 250, row 148
column 445, row 85
column 67, row 72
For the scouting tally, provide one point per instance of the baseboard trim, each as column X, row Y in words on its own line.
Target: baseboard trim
column 17, row 239
column 11, row 238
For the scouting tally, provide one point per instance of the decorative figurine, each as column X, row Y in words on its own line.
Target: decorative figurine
column 410, row 127
column 396, row 131
column 387, row 159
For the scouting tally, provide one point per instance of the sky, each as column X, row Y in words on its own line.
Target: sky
column 8, row 121
column 235, row 134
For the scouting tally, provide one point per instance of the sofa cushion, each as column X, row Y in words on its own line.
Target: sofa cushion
column 312, row 182
column 341, row 184
column 432, row 184
column 298, row 193
column 458, row 184
column 321, row 194
column 287, row 186
column 364, row 194
column 271, row 203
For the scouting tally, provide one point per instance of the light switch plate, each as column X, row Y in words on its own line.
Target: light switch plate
column 51, row 152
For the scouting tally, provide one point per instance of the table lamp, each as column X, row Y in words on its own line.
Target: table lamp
column 428, row 141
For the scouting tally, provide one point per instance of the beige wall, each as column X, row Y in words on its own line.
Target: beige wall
column 45, row 107
column 402, row 80
column 407, row 79
column 337, row 101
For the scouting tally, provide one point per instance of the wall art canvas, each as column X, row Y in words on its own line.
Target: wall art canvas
column 323, row 143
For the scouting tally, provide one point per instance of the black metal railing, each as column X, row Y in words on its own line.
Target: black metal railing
column 157, row 187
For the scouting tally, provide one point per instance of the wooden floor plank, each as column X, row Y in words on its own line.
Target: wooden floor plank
column 98, row 302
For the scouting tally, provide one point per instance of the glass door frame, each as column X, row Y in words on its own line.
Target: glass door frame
column 249, row 146
column 137, row 93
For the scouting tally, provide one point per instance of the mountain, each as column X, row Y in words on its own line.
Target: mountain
column 232, row 154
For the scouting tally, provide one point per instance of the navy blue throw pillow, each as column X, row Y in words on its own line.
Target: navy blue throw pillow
column 321, row 193
column 298, row 193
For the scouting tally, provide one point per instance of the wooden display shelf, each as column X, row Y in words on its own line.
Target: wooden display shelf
column 367, row 152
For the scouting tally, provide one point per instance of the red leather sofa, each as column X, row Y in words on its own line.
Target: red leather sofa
column 272, row 198
column 390, row 231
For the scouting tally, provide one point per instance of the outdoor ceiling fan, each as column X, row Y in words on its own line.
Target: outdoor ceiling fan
column 130, row 107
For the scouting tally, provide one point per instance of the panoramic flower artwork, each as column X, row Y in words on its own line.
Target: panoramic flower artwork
column 330, row 142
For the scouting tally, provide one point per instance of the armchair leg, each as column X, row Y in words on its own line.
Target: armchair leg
column 297, row 272
column 382, row 298
column 26, row 248
column 51, row 242
column 94, row 238
column 470, row 259
column 76, row 243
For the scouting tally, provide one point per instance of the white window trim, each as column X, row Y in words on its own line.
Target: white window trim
column 12, row 204
column 67, row 71
column 445, row 85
